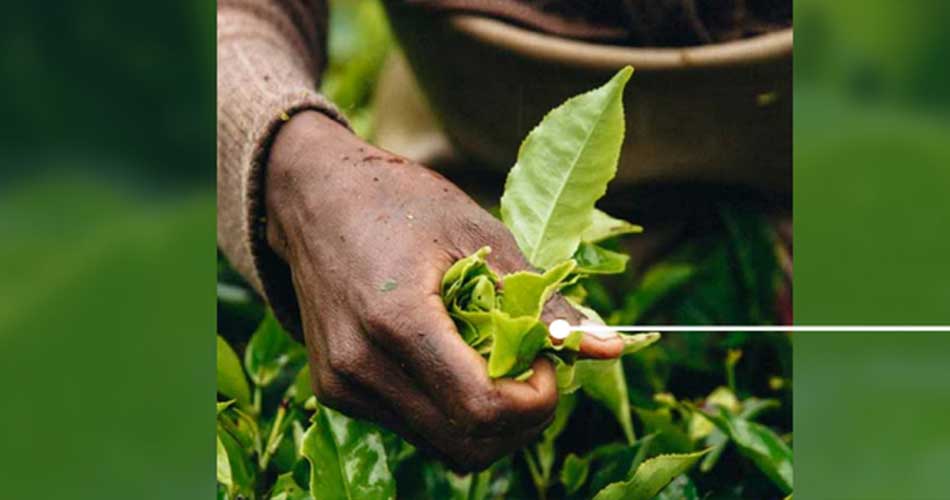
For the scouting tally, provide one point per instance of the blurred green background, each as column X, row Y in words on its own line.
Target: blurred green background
column 107, row 213
column 872, row 237
column 108, row 263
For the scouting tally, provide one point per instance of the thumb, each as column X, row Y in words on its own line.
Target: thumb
column 597, row 345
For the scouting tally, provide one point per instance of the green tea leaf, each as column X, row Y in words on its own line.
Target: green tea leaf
column 347, row 459
column 593, row 259
column 759, row 444
column 574, row 473
column 638, row 342
column 615, row 462
column 526, row 292
column 563, row 168
column 269, row 351
column 223, row 473
column 301, row 389
column 604, row 382
column 231, row 381
column 651, row 477
column 517, row 342
column 681, row 488
column 672, row 436
column 240, row 426
column 603, row 226
column 286, row 488
column 235, row 469
column 457, row 275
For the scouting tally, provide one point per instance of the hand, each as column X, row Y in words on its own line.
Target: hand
column 367, row 236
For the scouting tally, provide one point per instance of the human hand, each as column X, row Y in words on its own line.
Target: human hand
column 368, row 236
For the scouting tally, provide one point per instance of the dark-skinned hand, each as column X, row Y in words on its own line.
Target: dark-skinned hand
column 368, row 236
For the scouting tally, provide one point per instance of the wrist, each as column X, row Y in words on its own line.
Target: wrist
column 299, row 169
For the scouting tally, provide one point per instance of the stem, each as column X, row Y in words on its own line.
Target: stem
column 256, row 401
column 536, row 477
column 275, row 437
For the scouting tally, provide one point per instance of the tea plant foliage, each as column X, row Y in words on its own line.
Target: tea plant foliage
column 276, row 442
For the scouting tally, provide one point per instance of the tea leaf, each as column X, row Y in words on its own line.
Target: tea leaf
column 563, row 168
column 461, row 270
column 269, row 351
column 574, row 473
column 651, row 477
column 234, row 467
column 593, row 259
column 347, row 459
column 615, row 462
column 516, row 343
column 301, row 389
column 759, row 444
column 638, row 342
column 681, row 488
column 604, row 382
column 286, row 488
column 526, row 292
column 223, row 473
column 231, row 381
column 603, row 226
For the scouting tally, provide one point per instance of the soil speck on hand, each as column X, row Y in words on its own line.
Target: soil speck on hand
column 388, row 286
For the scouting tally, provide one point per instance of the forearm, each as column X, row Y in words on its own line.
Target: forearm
column 270, row 56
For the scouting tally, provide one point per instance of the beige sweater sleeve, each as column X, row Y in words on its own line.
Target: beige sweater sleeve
column 270, row 56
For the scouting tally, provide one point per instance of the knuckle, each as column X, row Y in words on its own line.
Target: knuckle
column 377, row 321
column 346, row 358
column 389, row 326
column 543, row 406
column 482, row 411
column 558, row 308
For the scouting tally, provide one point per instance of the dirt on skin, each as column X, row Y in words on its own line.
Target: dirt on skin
column 673, row 23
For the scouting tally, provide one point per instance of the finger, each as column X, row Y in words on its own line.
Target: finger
column 479, row 454
column 450, row 372
column 594, row 345
column 536, row 396
column 428, row 428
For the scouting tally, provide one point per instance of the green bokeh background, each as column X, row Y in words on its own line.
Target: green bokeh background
column 872, row 237
column 107, row 253
column 108, row 263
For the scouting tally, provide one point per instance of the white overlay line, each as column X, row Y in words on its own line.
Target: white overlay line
column 763, row 328
column 560, row 328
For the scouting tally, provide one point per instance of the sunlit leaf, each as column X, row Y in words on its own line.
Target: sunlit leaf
column 526, row 292
column 347, row 459
column 235, row 469
column 269, row 351
column 651, row 476
column 759, row 444
column 231, row 380
column 604, row 226
column 517, row 342
column 563, row 168
column 594, row 259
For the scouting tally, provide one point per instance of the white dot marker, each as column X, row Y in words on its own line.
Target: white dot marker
column 559, row 329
